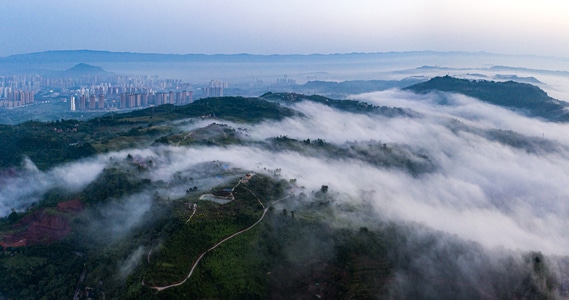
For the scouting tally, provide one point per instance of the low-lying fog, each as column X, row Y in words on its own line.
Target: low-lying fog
column 490, row 190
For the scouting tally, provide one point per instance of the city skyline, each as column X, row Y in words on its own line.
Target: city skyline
column 286, row 27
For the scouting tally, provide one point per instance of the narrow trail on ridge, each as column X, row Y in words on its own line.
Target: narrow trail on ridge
column 196, row 262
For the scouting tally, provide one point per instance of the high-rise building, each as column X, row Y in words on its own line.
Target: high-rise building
column 131, row 100
column 285, row 81
column 92, row 102
column 25, row 97
column 215, row 89
column 145, row 99
column 72, row 101
column 31, row 97
column 123, row 100
column 138, row 100
column 82, row 102
column 101, row 101
column 184, row 97
column 179, row 97
column 161, row 98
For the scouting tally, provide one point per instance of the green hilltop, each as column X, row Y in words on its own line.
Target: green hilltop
column 522, row 97
column 352, row 106
column 51, row 143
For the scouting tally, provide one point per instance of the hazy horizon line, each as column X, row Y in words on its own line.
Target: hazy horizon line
column 478, row 52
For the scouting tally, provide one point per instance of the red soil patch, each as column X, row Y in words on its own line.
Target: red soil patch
column 43, row 227
column 71, row 206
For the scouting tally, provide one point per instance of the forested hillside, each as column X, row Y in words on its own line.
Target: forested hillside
column 278, row 197
column 523, row 97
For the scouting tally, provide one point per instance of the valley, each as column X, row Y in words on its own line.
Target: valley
column 277, row 196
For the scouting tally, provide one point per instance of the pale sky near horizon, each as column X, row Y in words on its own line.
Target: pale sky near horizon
column 285, row 27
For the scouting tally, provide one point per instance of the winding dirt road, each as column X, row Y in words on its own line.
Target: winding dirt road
column 196, row 262
column 191, row 215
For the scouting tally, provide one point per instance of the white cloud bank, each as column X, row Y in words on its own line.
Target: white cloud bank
column 480, row 190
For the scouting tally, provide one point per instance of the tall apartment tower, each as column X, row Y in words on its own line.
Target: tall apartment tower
column 72, row 101
column 184, row 97
column 145, row 99
column 32, row 96
column 101, row 101
column 138, row 100
column 161, row 98
column 82, row 102
column 92, row 102
column 131, row 100
column 123, row 100
column 215, row 89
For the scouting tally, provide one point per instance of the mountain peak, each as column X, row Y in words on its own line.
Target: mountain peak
column 85, row 68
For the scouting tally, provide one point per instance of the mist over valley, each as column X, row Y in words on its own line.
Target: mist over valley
column 370, row 176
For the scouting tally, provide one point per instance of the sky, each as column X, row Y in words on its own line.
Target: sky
column 285, row 27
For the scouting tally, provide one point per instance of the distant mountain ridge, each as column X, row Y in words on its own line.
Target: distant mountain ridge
column 83, row 55
column 509, row 94
column 109, row 56
column 355, row 86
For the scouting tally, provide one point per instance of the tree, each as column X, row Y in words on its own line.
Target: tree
column 324, row 189
column 13, row 217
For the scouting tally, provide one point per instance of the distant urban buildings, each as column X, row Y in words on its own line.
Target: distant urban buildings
column 94, row 93
column 111, row 92
column 215, row 89
column 18, row 91
column 125, row 100
column 14, row 98
column 285, row 81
